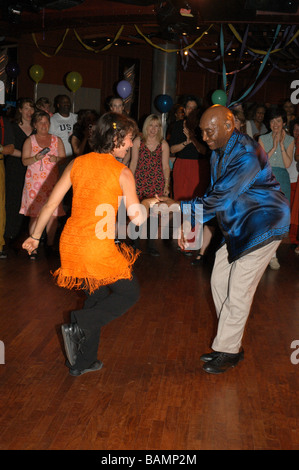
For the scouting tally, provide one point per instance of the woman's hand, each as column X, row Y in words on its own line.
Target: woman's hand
column 278, row 138
column 166, row 190
column 275, row 137
column 182, row 242
column 157, row 199
column 187, row 134
column 282, row 137
column 30, row 245
column 53, row 158
column 38, row 157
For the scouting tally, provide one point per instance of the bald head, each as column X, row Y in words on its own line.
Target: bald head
column 217, row 125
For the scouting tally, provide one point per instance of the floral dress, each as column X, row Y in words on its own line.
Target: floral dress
column 149, row 175
column 40, row 180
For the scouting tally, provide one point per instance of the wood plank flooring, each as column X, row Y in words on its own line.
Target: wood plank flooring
column 152, row 392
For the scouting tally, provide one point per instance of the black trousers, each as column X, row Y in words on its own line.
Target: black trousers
column 101, row 307
column 14, row 182
column 151, row 233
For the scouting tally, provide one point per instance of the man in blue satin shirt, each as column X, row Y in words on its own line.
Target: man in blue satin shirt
column 253, row 215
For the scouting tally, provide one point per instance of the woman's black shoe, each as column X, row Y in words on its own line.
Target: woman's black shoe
column 198, row 261
column 73, row 338
column 97, row 365
column 152, row 251
column 33, row 255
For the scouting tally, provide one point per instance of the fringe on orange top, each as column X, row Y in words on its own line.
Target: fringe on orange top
column 89, row 257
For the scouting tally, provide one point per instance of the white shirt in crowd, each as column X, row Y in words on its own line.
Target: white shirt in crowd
column 63, row 128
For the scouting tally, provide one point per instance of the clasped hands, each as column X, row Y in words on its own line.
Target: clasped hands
column 166, row 204
column 39, row 156
column 278, row 138
column 189, row 135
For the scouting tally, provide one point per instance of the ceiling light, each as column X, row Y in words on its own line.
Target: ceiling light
column 175, row 19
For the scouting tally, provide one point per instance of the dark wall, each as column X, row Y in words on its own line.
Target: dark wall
column 103, row 70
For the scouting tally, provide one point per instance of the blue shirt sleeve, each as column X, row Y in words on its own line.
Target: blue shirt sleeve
column 237, row 176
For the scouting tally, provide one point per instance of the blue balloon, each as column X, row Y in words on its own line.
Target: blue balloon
column 164, row 103
column 12, row 69
column 124, row 89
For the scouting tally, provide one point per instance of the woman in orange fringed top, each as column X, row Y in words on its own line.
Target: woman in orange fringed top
column 90, row 259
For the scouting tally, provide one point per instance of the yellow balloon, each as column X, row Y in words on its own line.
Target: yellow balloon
column 36, row 72
column 74, row 81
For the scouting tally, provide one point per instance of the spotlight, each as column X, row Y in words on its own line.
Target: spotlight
column 186, row 11
column 14, row 13
column 176, row 18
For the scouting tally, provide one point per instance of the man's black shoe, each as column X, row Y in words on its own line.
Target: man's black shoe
column 209, row 356
column 222, row 362
column 73, row 338
column 97, row 365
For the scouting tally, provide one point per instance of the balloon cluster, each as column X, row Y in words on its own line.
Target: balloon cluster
column 219, row 97
column 73, row 79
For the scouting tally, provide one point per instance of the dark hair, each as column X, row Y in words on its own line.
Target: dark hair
column 38, row 115
column 42, row 101
column 193, row 119
column 292, row 124
column 113, row 98
column 257, row 106
column 191, row 98
column 276, row 112
column 19, row 105
column 58, row 99
column 110, row 131
column 84, row 117
column 239, row 115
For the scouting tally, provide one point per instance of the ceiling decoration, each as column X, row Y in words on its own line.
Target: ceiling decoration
column 182, row 23
column 177, row 14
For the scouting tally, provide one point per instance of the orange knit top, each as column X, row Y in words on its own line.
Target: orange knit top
column 89, row 256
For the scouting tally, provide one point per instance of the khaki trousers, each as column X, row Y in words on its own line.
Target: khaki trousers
column 233, row 287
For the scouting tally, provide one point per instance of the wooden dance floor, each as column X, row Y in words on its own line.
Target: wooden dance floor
column 152, row 393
